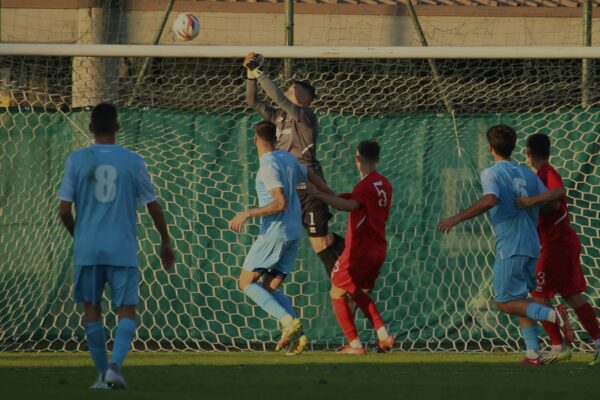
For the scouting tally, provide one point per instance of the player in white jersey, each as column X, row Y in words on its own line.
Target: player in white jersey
column 105, row 182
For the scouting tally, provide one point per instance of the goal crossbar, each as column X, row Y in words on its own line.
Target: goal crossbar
column 192, row 51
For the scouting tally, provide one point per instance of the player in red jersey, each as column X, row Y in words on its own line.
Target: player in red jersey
column 558, row 269
column 357, row 268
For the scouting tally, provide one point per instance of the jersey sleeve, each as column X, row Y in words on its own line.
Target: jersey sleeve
column 145, row 190
column 489, row 182
column 67, row 188
column 270, row 175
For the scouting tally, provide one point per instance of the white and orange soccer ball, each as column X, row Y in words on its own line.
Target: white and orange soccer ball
column 186, row 27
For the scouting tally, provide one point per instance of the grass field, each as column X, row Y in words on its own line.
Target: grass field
column 314, row 375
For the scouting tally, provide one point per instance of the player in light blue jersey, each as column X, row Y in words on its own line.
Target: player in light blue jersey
column 105, row 182
column 274, row 252
column 517, row 242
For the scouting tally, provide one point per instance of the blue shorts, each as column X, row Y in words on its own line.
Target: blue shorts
column 89, row 281
column 514, row 278
column 277, row 257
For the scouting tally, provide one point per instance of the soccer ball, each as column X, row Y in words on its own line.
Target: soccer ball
column 186, row 27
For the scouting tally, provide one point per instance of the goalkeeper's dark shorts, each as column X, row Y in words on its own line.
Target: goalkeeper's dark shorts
column 315, row 215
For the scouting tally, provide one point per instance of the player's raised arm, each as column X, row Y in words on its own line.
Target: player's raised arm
column 293, row 102
column 479, row 207
column 252, row 100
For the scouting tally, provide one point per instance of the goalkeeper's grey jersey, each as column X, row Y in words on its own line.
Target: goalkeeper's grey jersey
column 297, row 127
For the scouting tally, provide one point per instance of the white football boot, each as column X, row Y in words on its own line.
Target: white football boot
column 100, row 384
column 114, row 379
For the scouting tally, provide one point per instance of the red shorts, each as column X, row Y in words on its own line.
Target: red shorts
column 559, row 270
column 358, row 270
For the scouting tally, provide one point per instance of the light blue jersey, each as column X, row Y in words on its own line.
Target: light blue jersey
column 280, row 169
column 515, row 228
column 105, row 182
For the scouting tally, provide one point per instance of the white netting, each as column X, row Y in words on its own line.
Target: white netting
column 188, row 119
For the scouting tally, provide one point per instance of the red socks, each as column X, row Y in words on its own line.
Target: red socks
column 553, row 332
column 587, row 317
column 368, row 307
column 345, row 318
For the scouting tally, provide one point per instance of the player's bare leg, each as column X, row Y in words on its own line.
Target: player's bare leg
column 96, row 341
column 537, row 312
column 320, row 243
column 559, row 351
column 587, row 316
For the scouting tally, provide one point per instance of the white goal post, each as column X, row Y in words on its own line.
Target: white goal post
column 107, row 50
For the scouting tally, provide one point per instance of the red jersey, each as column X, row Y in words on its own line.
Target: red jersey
column 366, row 225
column 555, row 227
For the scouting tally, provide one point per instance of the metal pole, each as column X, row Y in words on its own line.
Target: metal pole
column 288, row 66
column 586, row 63
column 155, row 41
column 434, row 71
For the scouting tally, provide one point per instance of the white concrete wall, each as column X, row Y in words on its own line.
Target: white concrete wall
column 65, row 26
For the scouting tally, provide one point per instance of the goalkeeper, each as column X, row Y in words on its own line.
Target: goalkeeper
column 297, row 133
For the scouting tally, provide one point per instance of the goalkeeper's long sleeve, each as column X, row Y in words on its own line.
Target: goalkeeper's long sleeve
column 260, row 107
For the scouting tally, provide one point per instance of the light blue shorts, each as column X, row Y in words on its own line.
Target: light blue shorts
column 514, row 278
column 277, row 257
column 89, row 281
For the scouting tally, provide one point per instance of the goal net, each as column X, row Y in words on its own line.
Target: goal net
column 188, row 118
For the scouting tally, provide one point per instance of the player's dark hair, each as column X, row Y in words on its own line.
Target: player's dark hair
column 266, row 130
column 503, row 139
column 539, row 145
column 369, row 150
column 308, row 87
column 104, row 119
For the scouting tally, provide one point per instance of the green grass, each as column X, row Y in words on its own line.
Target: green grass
column 314, row 375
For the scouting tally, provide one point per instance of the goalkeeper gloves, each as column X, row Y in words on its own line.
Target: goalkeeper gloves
column 253, row 62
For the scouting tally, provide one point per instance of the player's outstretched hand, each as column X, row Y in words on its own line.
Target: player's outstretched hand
column 250, row 61
column 524, row 202
column 445, row 225
column 237, row 223
column 167, row 255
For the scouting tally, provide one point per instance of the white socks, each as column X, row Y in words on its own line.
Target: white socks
column 557, row 347
column 552, row 317
column 355, row 344
column 382, row 333
column 285, row 321
column 532, row 354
